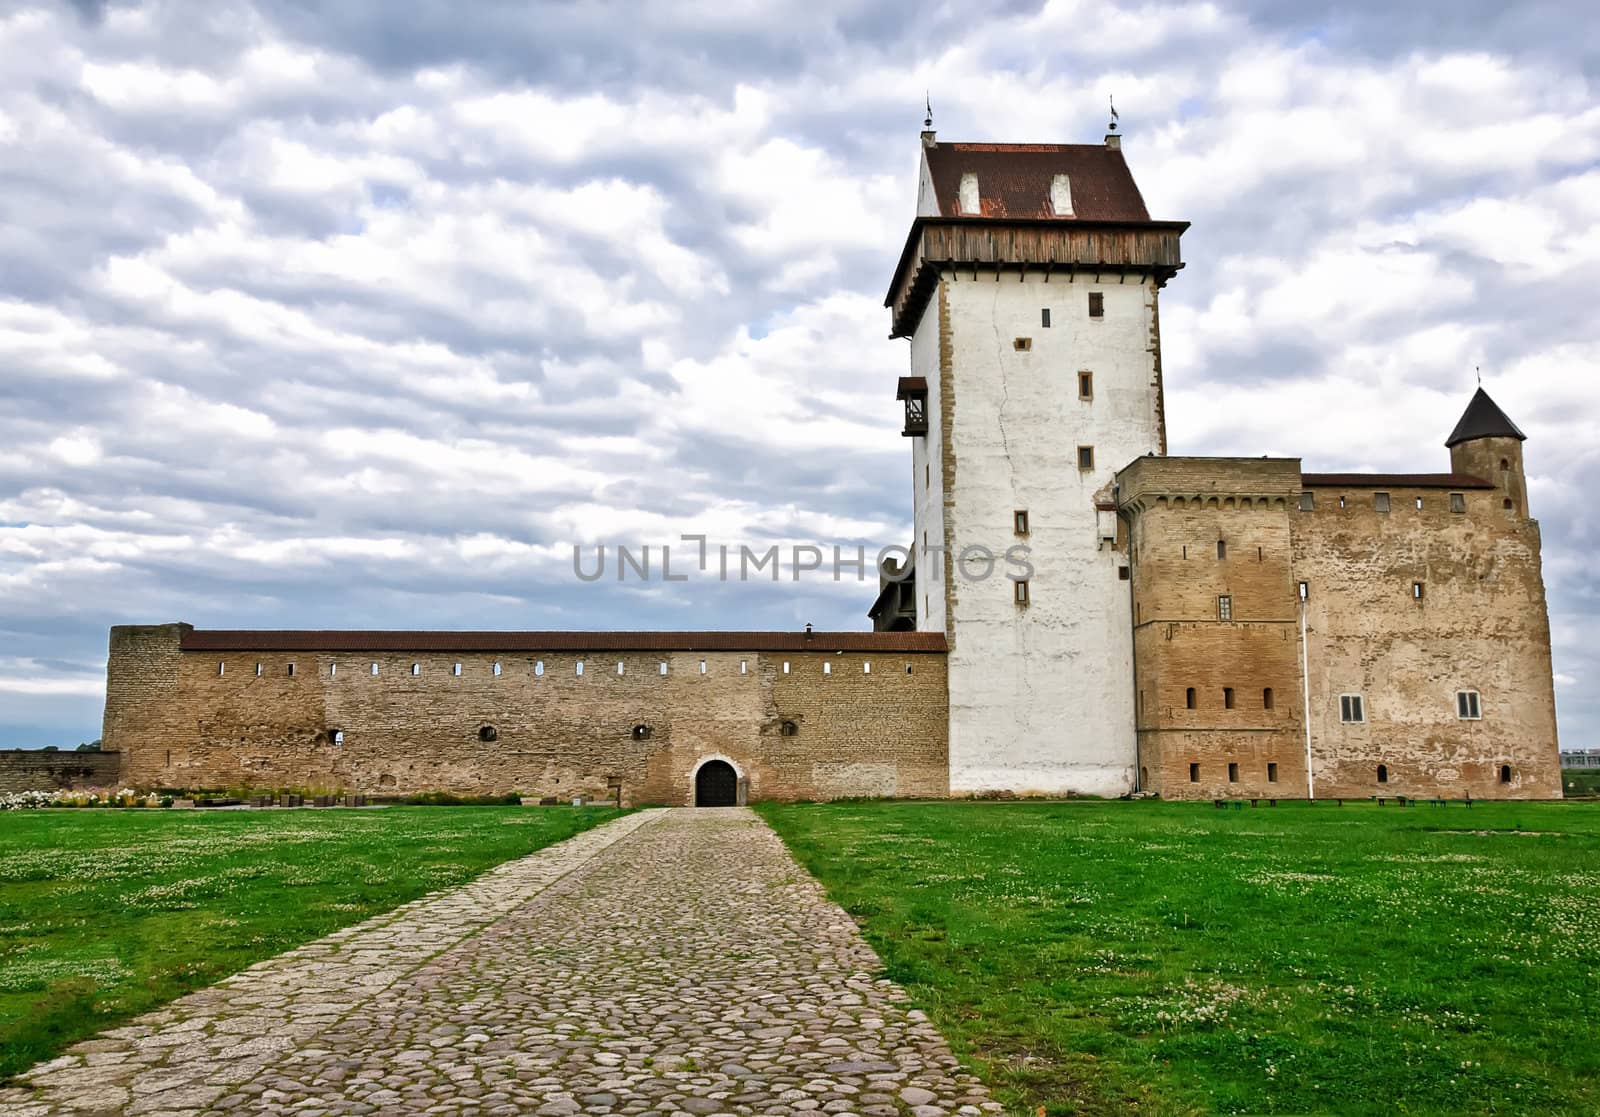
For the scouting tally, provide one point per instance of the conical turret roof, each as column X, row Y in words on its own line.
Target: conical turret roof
column 1483, row 419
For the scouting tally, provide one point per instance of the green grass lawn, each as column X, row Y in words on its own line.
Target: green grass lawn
column 1167, row 958
column 107, row 913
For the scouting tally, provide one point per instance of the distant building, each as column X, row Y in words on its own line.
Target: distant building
column 1194, row 627
column 1580, row 758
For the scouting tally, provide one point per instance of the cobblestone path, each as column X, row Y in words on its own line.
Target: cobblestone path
column 668, row 962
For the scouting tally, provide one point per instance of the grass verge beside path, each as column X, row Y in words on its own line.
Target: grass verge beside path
column 1168, row 958
column 105, row 914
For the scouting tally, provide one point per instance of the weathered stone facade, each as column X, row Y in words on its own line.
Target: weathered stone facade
column 1195, row 627
column 804, row 721
column 41, row 770
column 1423, row 603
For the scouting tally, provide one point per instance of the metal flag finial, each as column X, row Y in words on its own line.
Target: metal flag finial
column 1479, row 370
column 927, row 121
column 1115, row 116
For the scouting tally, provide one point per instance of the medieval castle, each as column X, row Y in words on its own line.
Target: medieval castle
column 1193, row 627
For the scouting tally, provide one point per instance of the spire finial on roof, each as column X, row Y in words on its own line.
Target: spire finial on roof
column 927, row 121
column 1115, row 116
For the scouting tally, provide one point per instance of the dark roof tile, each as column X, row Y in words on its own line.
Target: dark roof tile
column 289, row 640
column 1014, row 180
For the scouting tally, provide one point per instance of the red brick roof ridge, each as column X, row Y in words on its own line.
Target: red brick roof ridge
column 466, row 640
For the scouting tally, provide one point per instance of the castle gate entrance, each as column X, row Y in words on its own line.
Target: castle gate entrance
column 716, row 785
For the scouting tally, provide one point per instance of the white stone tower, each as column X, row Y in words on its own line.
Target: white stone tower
column 1028, row 288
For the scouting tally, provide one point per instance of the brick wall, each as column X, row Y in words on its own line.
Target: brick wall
column 214, row 721
column 1480, row 624
column 37, row 770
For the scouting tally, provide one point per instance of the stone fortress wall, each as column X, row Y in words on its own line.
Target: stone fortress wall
column 798, row 716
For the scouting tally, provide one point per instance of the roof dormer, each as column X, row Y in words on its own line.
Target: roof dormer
column 1061, row 196
column 967, row 195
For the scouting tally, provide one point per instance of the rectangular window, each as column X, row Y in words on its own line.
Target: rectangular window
column 1022, row 344
column 1308, row 502
column 1227, row 698
column 1225, row 607
column 1097, row 304
column 291, row 669
column 1044, row 317
column 1467, row 705
column 1350, row 708
column 1266, row 698
column 455, row 669
column 1272, row 771
column 1194, row 773
column 1458, row 502
column 1085, row 457
column 1233, row 771
column 1305, row 591
column 1188, row 698
column 1380, row 501
column 1021, row 591
column 1086, row 385
column 1122, row 573
column 1019, row 521
column 1222, row 549
column 1419, row 504
column 1416, row 591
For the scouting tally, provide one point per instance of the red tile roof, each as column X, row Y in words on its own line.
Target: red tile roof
column 1393, row 481
column 290, row 640
column 1014, row 180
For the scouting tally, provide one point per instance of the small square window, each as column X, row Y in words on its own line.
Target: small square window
column 1019, row 522
column 1467, row 705
column 1021, row 591
column 1086, row 385
column 1308, row 502
column 1022, row 344
column 1097, row 304
column 1044, row 317
column 1458, row 502
column 1351, row 709
column 1122, row 573
column 1380, row 501
column 1225, row 607
column 1194, row 773
column 1085, row 457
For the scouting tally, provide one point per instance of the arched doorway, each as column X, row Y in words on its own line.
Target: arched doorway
column 716, row 784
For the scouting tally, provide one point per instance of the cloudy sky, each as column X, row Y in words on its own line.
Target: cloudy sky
column 361, row 314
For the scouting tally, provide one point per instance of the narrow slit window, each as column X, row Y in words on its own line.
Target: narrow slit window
column 374, row 668
column 744, row 667
column 497, row 670
column 416, row 669
column 866, row 667
column 1194, row 773
column 1233, row 771
column 1044, row 317
column 1383, row 773
column 455, row 669
column 908, row 669
column 1505, row 773
column 1086, row 385
column 1272, row 771
column 1085, row 457
column 1419, row 504
column 827, row 668
column 786, row 667
column 662, row 667
column 1222, row 549
column 291, row 670
column 1019, row 522
column 1416, row 591
column 1097, row 304
column 1021, row 591
column 702, row 667
column 579, row 667
column 333, row 669
column 1266, row 698
column 538, row 668
column 1188, row 698
column 222, row 668
column 619, row 667
column 1227, row 698
column 258, row 670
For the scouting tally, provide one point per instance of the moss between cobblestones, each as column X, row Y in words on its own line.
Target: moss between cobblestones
column 1166, row 958
column 106, row 914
